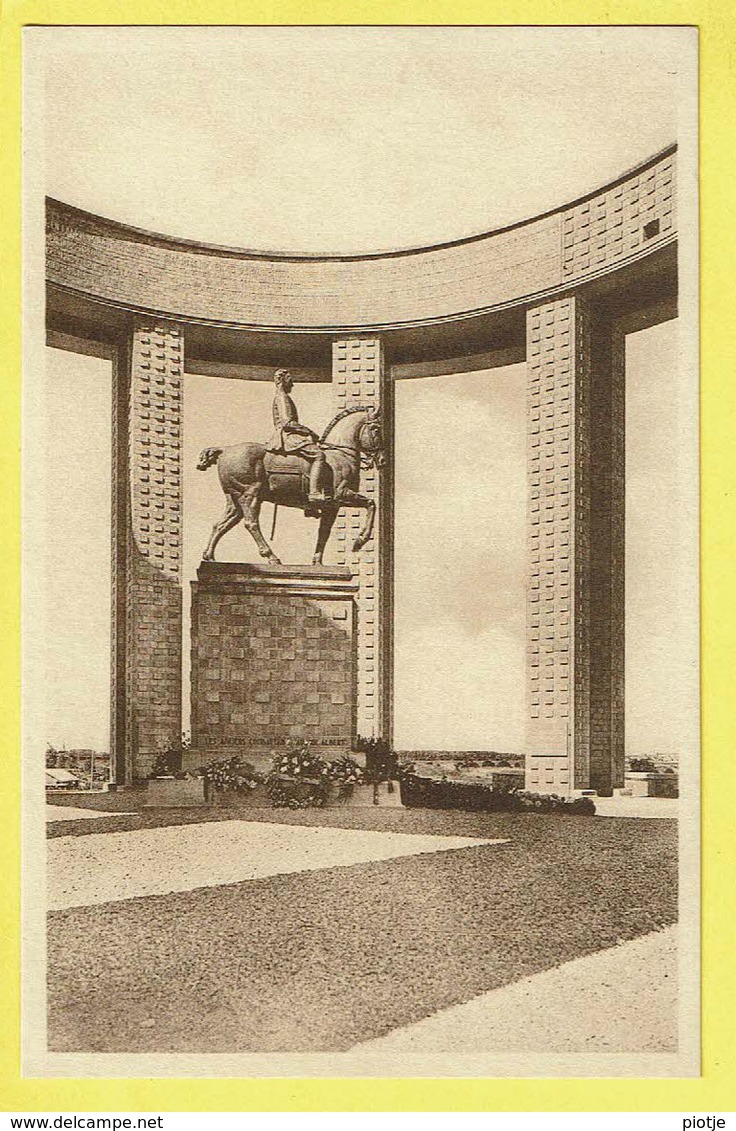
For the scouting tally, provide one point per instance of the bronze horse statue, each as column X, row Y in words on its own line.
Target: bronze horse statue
column 250, row 474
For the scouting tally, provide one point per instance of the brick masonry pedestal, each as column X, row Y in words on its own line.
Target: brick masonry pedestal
column 273, row 659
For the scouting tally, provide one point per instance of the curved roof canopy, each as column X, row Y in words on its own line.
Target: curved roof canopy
column 99, row 271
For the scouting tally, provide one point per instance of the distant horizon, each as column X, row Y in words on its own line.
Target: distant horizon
column 480, row 753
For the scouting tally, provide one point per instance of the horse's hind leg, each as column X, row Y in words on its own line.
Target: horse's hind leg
column 231, row 518
column 250, row 504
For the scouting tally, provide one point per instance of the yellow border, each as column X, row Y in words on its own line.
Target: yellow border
column 716, row 1089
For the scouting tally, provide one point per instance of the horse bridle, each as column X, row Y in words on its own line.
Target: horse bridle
column 365, row 453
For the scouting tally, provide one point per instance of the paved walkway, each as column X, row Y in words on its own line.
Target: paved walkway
column 646, row 807
column 621, row 998
column 72, row 813
column 106, row 867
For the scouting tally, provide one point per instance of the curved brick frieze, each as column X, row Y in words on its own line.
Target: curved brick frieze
column 108, row 262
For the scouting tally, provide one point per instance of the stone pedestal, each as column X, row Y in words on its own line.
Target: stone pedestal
column 273, row 660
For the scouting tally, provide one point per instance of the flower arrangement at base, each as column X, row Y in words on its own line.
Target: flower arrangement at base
column 381, row 763
column 299, row 761
column 168, row 763
column 298, row 778
column 345, row 773
column 288, row 795
column 554, row 803
column 232, row 775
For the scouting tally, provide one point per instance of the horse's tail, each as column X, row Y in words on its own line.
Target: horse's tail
column 208, row 457
column 273, row 524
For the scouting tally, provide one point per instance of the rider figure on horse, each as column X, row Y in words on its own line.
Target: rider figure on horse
column 293, row 438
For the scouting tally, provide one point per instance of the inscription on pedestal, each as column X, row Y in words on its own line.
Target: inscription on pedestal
column 273, row 660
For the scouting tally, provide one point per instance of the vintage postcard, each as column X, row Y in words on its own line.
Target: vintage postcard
column 361, row 709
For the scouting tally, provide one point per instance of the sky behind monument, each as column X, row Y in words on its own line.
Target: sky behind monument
column 344, row 140
column 349, row 139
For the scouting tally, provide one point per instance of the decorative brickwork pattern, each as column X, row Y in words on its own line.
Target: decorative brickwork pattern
column 273, row 660
column 147, row 596
column 576, row 524
column 636, row 214
column 549, row 774
column 360, row 378
column 113, row 263
column 554, row 340
column 155, row 445
column 607, row 558
column 121, row 715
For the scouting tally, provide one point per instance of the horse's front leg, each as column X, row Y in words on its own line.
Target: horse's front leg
column 326, row 522
column 353, row 499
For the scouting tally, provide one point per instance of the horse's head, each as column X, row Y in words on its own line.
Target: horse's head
column 370, row 439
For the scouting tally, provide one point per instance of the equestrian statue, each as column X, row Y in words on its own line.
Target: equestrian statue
column 296, row 468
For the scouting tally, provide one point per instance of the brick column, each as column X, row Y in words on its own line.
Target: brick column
column 575, row 624
column 146, row 551
column 607, row 557
column 360, row 377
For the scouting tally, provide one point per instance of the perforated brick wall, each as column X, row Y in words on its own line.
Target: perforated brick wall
column 575, row 618
column 155, row 445
column 549, row 774
column 554, row 341
column 607, row 558
column 360, row 377
column 620, row 221
column 147, row 594
column 273, row 660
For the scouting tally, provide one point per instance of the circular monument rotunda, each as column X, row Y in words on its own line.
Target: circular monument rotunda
column 559, row 291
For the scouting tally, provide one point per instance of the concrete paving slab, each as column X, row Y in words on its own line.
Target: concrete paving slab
column 646, row 807
column 622, row 999
column 72, row 813
column 105, row 867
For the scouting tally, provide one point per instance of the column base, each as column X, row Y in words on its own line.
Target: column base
column 549, row 773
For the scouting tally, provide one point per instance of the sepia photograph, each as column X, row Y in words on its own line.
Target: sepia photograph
column 360, row 551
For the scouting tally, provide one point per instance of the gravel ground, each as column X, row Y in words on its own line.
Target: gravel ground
column 323, row 960
column 114, row 802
